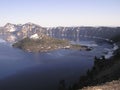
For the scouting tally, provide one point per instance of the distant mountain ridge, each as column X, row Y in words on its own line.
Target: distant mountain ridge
column 12, row 33
column 15, row 32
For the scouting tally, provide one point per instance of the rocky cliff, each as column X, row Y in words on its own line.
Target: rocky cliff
column 12, row 33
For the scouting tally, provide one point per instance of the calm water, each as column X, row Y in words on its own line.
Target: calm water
column 20, row 70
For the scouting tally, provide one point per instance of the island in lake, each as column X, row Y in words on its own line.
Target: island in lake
column 44, row 43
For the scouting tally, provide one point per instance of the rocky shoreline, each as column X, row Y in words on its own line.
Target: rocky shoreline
column 104, row 70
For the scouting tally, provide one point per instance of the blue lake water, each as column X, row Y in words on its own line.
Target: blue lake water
column 21, row 70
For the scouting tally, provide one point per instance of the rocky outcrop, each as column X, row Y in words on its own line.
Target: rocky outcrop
column 104, row 70
column 72, row 33
column 105, row 33
column 45, row 43
column 13, row 33
column 113, row 85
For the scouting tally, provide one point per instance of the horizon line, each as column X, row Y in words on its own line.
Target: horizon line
column 63, row 25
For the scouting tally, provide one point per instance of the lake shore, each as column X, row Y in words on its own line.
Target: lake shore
column 47, row 44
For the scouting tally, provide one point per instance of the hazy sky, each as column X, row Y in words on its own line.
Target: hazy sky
column 61, row 12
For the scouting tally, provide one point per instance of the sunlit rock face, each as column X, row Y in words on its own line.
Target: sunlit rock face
column 34, row 36
column 12, row 32
column 10, row 27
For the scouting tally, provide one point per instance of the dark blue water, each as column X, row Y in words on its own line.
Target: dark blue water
column 21, row 70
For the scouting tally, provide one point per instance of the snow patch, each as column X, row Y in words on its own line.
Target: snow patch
column 111, row 51
column 10, row 28
column 115, row 47
column 34, row 36
column 109, row 55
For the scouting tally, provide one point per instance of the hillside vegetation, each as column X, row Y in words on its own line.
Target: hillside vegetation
column 46, row 44
column 102, row 72
column 104, row 75
column 40, row 45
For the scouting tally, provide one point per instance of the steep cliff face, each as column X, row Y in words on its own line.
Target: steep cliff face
column 13, row 33
column 90, row 32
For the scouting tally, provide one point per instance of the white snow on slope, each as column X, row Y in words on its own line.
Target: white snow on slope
column 34, row 36
column 10, row 28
